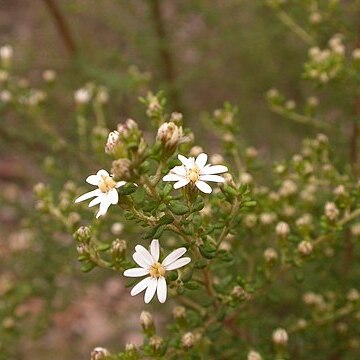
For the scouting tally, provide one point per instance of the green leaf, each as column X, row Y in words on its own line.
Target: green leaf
column 88, row 266
column 149, row 234
column 178, row 208
column 192, row 285
column 166, row 219
column 127, row 189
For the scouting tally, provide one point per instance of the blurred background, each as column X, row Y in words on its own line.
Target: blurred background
column 201, row 54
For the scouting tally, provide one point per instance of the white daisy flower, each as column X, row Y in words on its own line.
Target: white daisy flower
column 195, row 172
column 105, row 195
column 150, row 265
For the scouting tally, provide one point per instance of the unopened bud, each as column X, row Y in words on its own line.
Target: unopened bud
column 280, row 337
column 99, row 353
column 188, row 340
column 82, row 96
column 147, row 321
column 83, row 234
column 176, row 117
column 113, row 143
column 253, row 355
column 246, row 178
column 196, row 151
column 49, row 76
column 118, row 248
column 282, row 229
column 270, row 256
column 179, row 312
column 305, row 248
column 117, row 228
column 217, row 159
column 331, row 211
column 156, row 342
column 250, row 220
column 251, row 152
column 353, row 295
column 121, row 169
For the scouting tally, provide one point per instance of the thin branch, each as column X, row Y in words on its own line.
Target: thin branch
column 165, row 54
column 62, row 26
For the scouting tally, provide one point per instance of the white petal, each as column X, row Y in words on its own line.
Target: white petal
column 178, row 263
column 215, row 178
column 96, row 201
column 155, row 250
column 174, row 256
column 203, row 186
column 136, row 272
column 88, row 195
column 141, row 286
column 172, row 177
column 201, row 160
column 214, row 169
column 104, row 205
column 179, row 170
column 113, row 196
column 150, row 291
column 146, row 256
column 181, row 183
column 138, row 258
column 161, row 289
column 102, row 172
column 93, row 180
column 188, row 163
column 120, row 183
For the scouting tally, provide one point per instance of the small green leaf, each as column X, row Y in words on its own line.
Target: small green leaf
column 127, row 189
column 178, row 208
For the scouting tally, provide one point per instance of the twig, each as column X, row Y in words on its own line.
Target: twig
column 62, row 26
column 164, row 52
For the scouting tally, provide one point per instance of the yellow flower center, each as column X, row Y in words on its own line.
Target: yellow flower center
column 106, row 184
column 157, row 270
column 193, row 174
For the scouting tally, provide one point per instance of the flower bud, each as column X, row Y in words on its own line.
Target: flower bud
column 81, row 249
column 355, row 229
column 250, row 220
column 280, row 337
column 246, row 178
column 305, row 248
column 179, row 312
column 82, row 96
column 156, row 342
column 121, row 169
column 251, row 152
column 331, row 211
column 282, row 229
column 147, row 322
column 83, row 234
column 130, row 349
column 176, row 117
column 196, row 151
column 288, row 188
column 99, row 353
column 5, row 96
column 253, row 355
column 353, row 295
column 102, row 96
column 188, row 340
column 117, row 228
column 267, row 218
column 49, row 76
column 356, row 54
column 6, row 54
column 113, row 143
column 118, row 248
column 270, row 256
